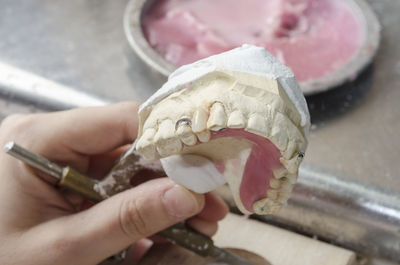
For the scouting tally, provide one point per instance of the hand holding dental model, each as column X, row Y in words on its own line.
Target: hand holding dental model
column 42, row 225
column 237, row 117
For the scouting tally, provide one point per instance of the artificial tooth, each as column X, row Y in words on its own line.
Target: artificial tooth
column 275, row 183
column 145, row 144
column 272, row 194
column 217, row 119
column 257, row 124
column 283, row 197
column 294, row 133
column 204, row 136
column 292, row 165
column 236, row 120
column 290, row 149
column 286, row 185
column 273, row 209
column 292, row 178
column 278, row 105
column 166, row 141
column 169, row 149
column 296, row 143
column 278, row 133
column 266, row 206
column 280, row 172
column 199, row 120
column 186, row 135
column 183, row 122
column 279, row 137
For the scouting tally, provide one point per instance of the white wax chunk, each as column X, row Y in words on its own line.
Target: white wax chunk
column 195, row 172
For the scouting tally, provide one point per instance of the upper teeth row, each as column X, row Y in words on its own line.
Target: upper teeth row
column 278, row 194
column 170, row 136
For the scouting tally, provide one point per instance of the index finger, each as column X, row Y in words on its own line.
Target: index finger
column 85, row 131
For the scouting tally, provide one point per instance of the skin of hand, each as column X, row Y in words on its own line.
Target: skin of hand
column 41, row 224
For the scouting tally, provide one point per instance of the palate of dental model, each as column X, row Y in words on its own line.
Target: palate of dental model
column 237, row 117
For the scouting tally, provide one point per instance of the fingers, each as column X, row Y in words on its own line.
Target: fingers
column 215, row 208
column 97, row 130
column 85, row 131
column 208, row 228
column 143, row 176
column 100, row 165
column 137, row 251
column 112, row 225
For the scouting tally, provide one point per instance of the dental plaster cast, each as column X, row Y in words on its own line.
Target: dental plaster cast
column 237, row 117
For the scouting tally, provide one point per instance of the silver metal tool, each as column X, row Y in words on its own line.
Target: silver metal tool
column 200, row 244
column 62, row 176
column 78, row 182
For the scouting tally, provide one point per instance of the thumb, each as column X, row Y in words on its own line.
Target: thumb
column 117, row 222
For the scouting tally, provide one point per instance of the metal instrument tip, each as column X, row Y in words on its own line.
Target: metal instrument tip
column 8, row 147
column 33, row 159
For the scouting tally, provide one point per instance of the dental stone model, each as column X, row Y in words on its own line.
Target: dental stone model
column 237, row 117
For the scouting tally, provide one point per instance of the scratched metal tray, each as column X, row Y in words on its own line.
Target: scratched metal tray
column 133, row 30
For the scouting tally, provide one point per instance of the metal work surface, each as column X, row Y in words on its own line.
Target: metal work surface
column 81, row 44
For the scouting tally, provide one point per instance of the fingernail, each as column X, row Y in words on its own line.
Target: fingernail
column 180, row 202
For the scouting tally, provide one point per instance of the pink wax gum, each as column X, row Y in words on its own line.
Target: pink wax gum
column 264, row 158
column 312, row 37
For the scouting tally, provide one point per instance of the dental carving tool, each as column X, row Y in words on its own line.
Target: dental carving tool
column 70, row 178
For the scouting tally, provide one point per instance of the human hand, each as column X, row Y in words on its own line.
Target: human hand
column 40, row 224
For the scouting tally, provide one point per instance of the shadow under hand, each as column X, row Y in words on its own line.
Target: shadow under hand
column 168, row 254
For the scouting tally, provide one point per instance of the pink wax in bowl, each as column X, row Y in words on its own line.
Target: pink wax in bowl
column 312, row 37
column 324, row 42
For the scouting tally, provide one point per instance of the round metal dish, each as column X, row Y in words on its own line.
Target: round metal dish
column 133, row 30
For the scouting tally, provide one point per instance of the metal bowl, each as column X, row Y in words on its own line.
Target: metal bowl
column 134, row 33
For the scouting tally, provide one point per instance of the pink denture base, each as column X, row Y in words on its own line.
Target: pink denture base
column 263, row 159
